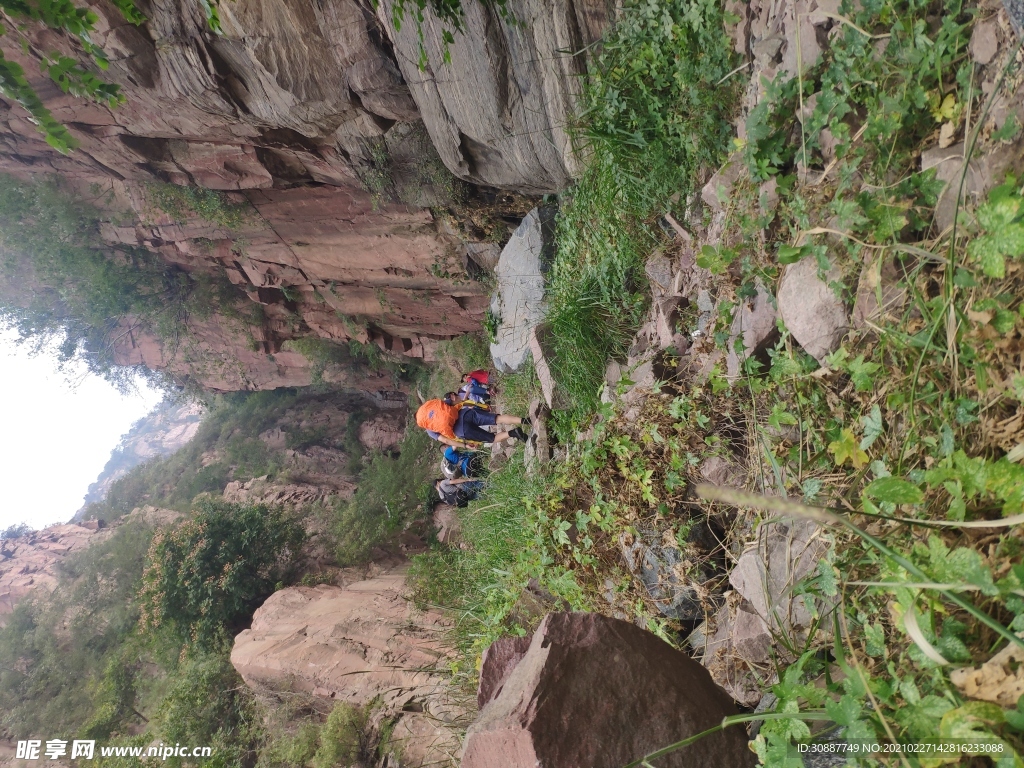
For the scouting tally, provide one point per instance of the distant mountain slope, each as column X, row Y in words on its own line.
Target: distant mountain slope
column 161, row 433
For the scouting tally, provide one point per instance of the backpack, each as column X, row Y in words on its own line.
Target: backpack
column 438, row 416
column 480, row 376
column 456, row 462
column 456, row 497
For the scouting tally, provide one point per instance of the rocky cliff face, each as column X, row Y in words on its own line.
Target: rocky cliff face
column 316, row 115
column 161, row 433
column 363, row 644
column 31, row 561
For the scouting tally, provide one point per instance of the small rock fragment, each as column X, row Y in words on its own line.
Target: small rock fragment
column 984, row 41
column 498, row 661
column 753, row 321
column 717, row 191
column 878, row 280
column 810, row 308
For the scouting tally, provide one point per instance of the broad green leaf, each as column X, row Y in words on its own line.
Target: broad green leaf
column 872, row 424
column 874, row 639
column 923, row 718
column 790, row 254
column 846, row 711
column 862, row 373
column 894, row 490
column 971, row 721
column 985, row 250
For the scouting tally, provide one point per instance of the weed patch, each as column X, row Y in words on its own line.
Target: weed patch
column 655, row 120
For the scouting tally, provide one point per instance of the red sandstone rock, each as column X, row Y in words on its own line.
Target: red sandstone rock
column 30, row 562
column 597, row 692
column 355, row 644
column 382, row 433
column 500, row 658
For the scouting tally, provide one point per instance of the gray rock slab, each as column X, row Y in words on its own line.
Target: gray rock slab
column 519, row 297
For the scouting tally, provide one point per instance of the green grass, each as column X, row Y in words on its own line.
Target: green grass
column 914, row 431
column 180, row 203
column 480, row 585
column 391, row 493
column 654, row 121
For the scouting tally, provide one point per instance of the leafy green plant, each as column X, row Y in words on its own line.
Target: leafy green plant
column 70, row 76
column 214, row 569
column 491, row 324
column 179, row 202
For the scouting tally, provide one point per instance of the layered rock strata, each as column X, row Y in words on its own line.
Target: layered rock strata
column 317, row 116
column 361, row 643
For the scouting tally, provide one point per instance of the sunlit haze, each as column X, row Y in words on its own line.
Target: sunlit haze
column 57, row 435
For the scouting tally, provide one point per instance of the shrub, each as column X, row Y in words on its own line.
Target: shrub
column 56, row 654
column 209, row 574
column 15, row 531
column 340, row 737
column 61, row 286
column 209, row 705
column 389, row 493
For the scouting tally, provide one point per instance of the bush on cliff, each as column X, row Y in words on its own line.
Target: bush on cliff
column 207, row 576
column 61, row 286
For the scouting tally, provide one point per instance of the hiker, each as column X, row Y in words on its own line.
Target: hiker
column 456, row 463
column 458, row 492
column 473, row 391
column 461, row 424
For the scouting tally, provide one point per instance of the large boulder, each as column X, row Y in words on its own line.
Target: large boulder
column 360, row 643
column 600, row 692
column 518, row 302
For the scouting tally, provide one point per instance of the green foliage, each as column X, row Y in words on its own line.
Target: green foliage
column 449, row 12
column 391, row 490
column 656, row 101
column 15, row 531
column 338, row 741
column 655, row 114
column 66, row 663
column 340, row 737
column 481, row 583
column 60, row 286
column 354, row 356
column 210, row 572
column 1000, row 218
column 180, row 202
column 209, row 704
column 68, row 74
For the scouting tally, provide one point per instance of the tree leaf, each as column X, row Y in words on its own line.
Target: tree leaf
column 872, row 424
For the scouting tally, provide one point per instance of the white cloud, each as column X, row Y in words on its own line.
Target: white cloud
column 55, row 436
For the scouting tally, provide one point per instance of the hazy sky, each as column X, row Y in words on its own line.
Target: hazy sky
column 55, row 436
